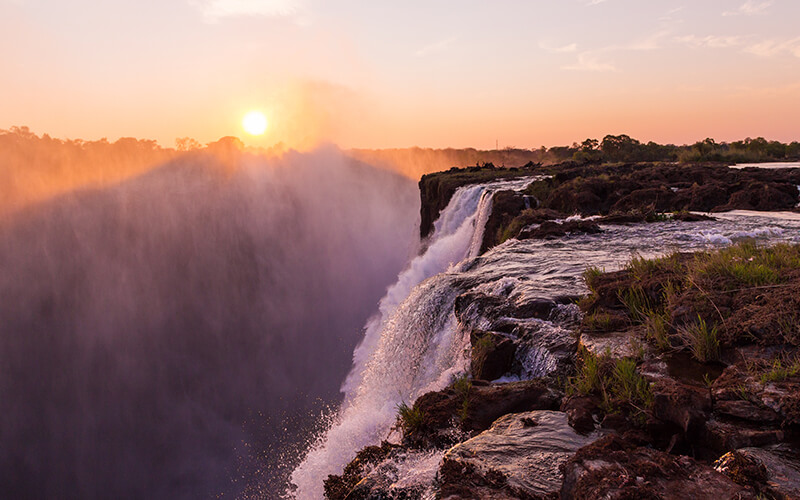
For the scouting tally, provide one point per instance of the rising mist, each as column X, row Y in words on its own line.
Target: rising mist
column 168, row 335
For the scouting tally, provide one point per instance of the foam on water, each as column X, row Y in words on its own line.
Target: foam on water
column 412, row 346
column 417, row 345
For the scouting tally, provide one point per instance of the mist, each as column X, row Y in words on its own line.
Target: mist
column 172, row 334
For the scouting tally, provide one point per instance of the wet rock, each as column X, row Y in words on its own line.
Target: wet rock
column 580, row 411
column 622, row 218
column 705, row 198
column 472, row 305
column 518, row 457
column 746, row 410
column 506, row 205
column 492, row 355
column 763, row 196
column 616, row 343
column 341, row 487
column 684, row 216
column 614, row 468
column 550, row 230
column 660, row 199
column 740, row 393
column 683, row 404
column 724, row 436
column 773, row 472
column 474, row 410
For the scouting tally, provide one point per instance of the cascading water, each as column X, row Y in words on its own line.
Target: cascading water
column 412, row 346
column 417, row 344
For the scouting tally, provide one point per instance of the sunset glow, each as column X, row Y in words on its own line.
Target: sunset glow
column 378, row 74
column 254, row 123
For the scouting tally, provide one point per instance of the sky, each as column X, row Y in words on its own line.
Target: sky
column 380, row 74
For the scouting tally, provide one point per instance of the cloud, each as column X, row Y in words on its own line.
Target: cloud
column 772, row 47
column 670, row 15
column 710, row 41
column 435, row 47
column 589, row 62
column 750, row 8
column 572, row 47
column 214, row 10
column 595, row 2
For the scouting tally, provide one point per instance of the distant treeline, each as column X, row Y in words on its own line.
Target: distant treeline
column 624, row 148
column 612, row 148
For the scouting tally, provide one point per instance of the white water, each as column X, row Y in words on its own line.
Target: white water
column 417, row 345
column 411, row 346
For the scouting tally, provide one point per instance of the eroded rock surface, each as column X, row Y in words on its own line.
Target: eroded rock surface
column 518, row 457
column 612, row 467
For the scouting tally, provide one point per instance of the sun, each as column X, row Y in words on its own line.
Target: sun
column 254, row 123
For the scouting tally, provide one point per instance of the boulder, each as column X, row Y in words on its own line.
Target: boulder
column 492, row 355
column 474, row 410
column 550, row 229
column 612, row 467
column 772, row 472
column 518, row 457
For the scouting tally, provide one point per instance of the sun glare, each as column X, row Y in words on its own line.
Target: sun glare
column 254, row 123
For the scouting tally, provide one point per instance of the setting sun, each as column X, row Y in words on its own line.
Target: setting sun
column 254, row 123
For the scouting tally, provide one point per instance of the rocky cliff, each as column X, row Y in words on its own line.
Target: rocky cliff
column 673, row 377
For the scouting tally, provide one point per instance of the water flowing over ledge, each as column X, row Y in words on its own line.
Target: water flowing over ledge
column 416, row 344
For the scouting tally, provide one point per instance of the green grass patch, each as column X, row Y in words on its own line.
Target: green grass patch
column 701, row 339
column 410, row 419
column 636, row 302
column 780, row 370
column 591, row 275
column 747, row 264
column 657, row 329
column 615, row 381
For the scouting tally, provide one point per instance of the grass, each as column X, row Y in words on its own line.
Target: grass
column 780, row 370
column 616, row 381
column 642, row 268
column 598, row 322
column 590, row 276
column 628, row 385
column 701, row 339
column 462, row 385
column 410, row 419
column 637, row 302
column 657, row 329
column 747, row 264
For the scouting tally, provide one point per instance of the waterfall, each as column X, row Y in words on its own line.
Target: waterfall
column 411, row 346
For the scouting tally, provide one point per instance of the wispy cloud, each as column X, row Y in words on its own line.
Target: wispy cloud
column 595, row 2
column 214, row 10
column 711, row 41
column 435, row 47
column 589, row 62
column 750, row 8
column 772, row 47
column 670, row 15
column 572, row 47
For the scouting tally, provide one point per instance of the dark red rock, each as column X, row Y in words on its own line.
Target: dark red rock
column 614, row 468
column 549, row 229
column 580, row 412
column 492, row 355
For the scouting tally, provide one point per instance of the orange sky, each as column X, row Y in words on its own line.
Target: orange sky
column 426, row 73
